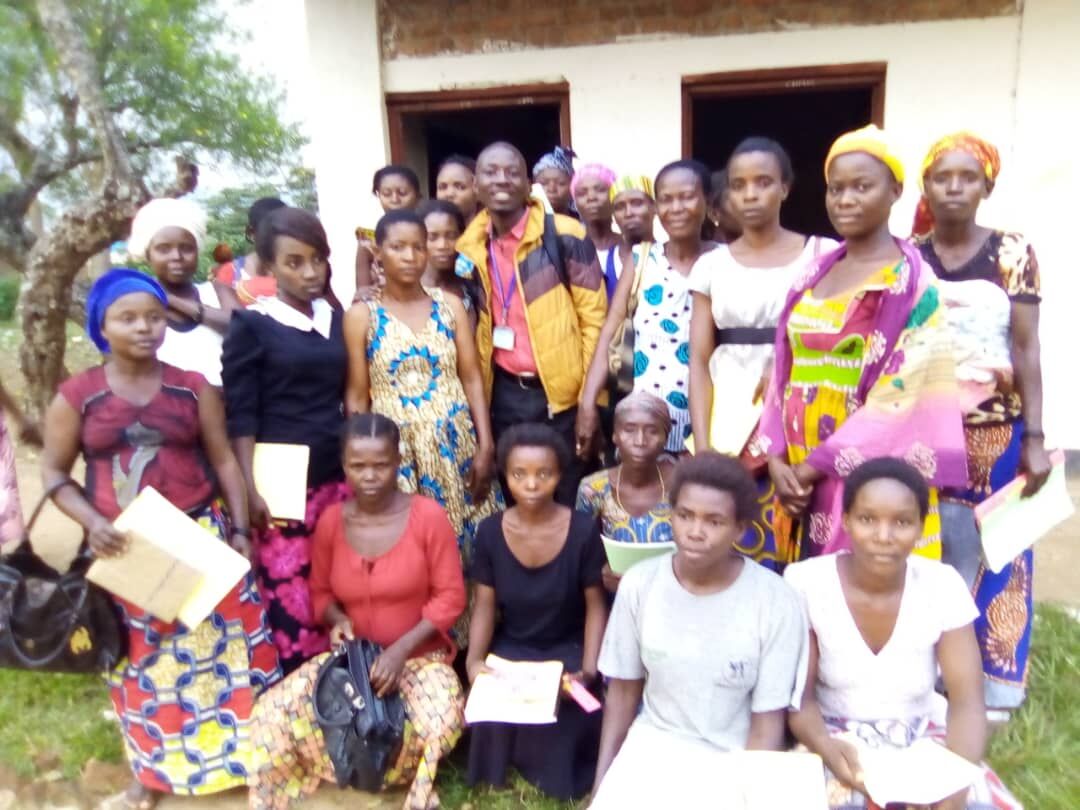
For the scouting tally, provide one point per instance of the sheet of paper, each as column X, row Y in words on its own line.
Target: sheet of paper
column 1009, row 524
column 280, row 473
column 524, row 692
column 707, row 777
column 735, row 413
column 174, row 568
column 624, row 556
column 923, row 773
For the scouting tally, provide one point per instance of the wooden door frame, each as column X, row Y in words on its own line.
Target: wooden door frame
column 742, row 83
column 399, row 104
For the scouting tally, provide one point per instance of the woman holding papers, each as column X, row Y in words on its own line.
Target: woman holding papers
column 537, row 596
column 703, row 646
column 862, row 364
column 990, row 283
column 732, row 332
column 384, row 568
column 183, row 695
column 630, row 499
column 883, row 623
column 284, row 368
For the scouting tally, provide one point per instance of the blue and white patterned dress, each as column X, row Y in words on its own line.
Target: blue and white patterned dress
column 662, row 341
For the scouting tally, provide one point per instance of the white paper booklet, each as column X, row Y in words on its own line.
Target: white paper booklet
column 280, row 473
column 923, row 773
column 524, row 692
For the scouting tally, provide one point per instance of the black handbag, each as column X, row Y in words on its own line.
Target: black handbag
column 363, row 732
column 53, row 622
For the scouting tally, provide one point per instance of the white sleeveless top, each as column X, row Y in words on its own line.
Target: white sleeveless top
column 198, row 348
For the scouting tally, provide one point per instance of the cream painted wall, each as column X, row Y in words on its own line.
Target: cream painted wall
column 1012, row 79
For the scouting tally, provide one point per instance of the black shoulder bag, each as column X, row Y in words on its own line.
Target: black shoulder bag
column 363, row 732
column 53, row 622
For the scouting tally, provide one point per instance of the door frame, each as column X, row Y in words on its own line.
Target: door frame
column 742, row 83
column 399, row 104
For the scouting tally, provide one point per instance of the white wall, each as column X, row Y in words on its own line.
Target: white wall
column 1012, row 79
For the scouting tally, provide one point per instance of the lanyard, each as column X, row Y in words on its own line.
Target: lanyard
column 506, row 293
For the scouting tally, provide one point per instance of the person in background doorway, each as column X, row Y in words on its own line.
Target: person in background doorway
column 553, row 172
column 989, row 280
column 445, row 224
column 456, row 183
column 541, row 302
column 885, row 625
column 739, row 291
column 284, row 368
column 250, row 279
column 662, row 316
column 538, row 597
column 167, row 234
column 396, row 187
column 722, row 225
column 591, row 190
column 862, row 365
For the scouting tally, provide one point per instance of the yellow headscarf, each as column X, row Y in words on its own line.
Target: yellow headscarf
column 871, row 140
column 631, row 182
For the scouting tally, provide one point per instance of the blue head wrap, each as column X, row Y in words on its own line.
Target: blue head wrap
column 118, row 282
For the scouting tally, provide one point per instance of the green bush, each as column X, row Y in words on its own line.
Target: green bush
column 9, row 297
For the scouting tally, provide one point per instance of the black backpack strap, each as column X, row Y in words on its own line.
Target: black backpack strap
column 553, row 246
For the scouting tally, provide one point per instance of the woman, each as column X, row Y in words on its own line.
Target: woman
column 722, row 224
column 168, row 234
column 553, row 172
column 990, row 283
column 183, row 695
column 455, row 183
column 702, row 649
column 445, row 224
column 385, row 569
column 537, row 596
column 862, row 364
column 732, row 332
column 11, row 517
column 590, row 189
column 397, row 188
column 245, row 274
column 284, row 368
column 883, row 625
column 408, row 360
column 662, row 316
column 630, row 500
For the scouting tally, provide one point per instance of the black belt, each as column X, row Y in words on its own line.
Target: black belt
column 521, row 380
column 746, row 335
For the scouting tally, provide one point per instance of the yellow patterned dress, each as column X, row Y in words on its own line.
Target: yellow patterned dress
column 414, row 381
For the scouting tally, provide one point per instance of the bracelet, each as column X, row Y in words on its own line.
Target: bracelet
column 1033, row 434
column 243, row 531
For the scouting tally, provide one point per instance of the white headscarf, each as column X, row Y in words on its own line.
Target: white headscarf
column 165, row 212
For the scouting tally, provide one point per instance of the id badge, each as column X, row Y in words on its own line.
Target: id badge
column 503, row 338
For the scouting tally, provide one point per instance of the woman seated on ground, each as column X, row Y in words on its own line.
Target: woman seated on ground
column 183, row 695
column 384, row 568
column 537, row 596
column 630, row 499
column 883, row 624
column 167, row 234
column 445, row 224
column 703, row 645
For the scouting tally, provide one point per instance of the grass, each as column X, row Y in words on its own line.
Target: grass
column 58, row 719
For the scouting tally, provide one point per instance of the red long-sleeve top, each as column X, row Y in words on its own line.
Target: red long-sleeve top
column 386, row 596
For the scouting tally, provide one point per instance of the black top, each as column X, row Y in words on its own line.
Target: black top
column 1005, row 259
column 541, row 610
column 286, row 385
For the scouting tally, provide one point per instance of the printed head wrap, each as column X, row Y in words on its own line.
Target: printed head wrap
column 598, row 170
column 114, row 284
column 165, row 212
column 647, row 403
column 871, row 140
column 559, row 158
column 983, row 151
column 632, row 182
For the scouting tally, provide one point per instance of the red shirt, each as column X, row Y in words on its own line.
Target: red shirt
column 503, row 271
column 386, row 596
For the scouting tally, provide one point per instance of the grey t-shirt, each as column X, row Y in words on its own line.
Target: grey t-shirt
column 708, row 661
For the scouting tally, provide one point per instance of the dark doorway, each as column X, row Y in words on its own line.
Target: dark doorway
column 803, row 109
column 425, row 128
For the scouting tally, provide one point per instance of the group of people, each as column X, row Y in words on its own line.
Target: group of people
column 467, row 452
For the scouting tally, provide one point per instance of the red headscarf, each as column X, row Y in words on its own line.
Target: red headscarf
column 983, row 151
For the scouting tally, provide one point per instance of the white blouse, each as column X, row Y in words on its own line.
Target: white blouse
column 198, row 348
column 897, row 683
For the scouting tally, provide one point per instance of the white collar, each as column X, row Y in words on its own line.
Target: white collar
column 322, row 314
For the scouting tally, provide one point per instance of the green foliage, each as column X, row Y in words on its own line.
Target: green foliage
column 9, row 297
